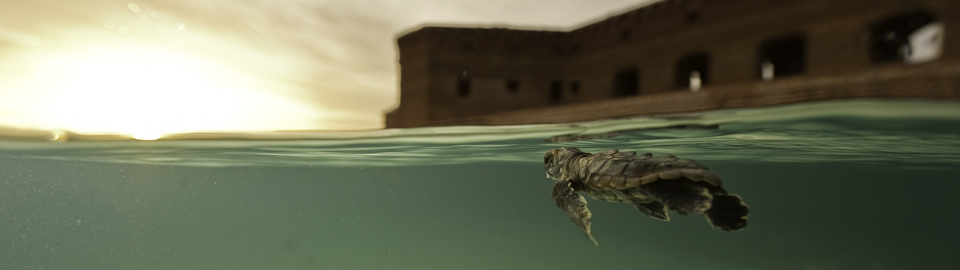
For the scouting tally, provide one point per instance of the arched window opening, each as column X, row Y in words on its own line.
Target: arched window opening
column 626, row 82
column 556, row 91
column 912, row 37
column 463, row 86
column 513, row 85
column 782, row 56
column 692, row 71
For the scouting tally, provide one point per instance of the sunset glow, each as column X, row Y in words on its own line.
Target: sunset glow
column 147, row 75
column 146, row 92
column 148, row 68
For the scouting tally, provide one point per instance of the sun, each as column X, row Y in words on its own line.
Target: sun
column 147, row 70
column 144, row 92
column 139, row 91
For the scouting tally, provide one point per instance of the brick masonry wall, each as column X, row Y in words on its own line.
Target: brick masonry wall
column 651, row 39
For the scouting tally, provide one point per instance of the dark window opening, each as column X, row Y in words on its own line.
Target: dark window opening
column 626, row 82
column 513, row 85
column 463, row 86
column 625, row 34
column 692, row 71
column 575, row 87
column 556, row 91
column 897, row 38
column 693, row 16
column 783, row 56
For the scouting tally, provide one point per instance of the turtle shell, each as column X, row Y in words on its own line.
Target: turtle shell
column 615, row 170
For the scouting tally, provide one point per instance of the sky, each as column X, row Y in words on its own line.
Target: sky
column 175, row 66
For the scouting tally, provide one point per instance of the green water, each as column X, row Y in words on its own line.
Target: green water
column 836, row 185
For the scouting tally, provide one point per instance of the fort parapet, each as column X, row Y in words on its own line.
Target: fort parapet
column 681, row 56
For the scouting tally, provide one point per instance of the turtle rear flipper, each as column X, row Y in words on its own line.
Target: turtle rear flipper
column 728, row 213
column 681, row 195
column 654, row 209
column 567, row 198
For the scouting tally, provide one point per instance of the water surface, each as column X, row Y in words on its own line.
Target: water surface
column 834, row 185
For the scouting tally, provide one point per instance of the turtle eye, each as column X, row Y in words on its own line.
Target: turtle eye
column 547, row 158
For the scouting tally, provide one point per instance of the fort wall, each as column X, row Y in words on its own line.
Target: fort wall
column 459, row 73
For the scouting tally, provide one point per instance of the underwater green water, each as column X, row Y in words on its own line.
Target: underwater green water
column 835, row 185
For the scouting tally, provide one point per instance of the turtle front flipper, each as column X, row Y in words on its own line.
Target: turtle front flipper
column 653, row 209
column 567, row 198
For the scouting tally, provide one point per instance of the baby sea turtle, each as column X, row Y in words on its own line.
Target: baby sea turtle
column 651, row 184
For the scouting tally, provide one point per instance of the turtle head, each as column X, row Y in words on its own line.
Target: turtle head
column 555, row 160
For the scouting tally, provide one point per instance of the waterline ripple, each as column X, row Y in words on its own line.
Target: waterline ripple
column 862, row 131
